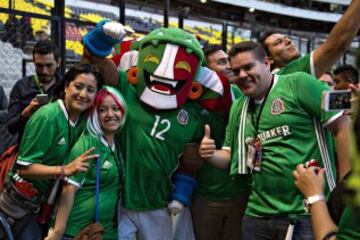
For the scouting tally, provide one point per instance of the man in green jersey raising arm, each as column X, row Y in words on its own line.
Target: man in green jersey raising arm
column 285, row 58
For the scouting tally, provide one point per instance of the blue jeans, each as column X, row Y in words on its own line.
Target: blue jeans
column 27, row 230
column 273, row 228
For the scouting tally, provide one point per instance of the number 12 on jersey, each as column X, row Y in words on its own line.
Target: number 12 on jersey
column 160, row 127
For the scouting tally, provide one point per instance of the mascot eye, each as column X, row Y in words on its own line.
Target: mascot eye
column 183, row 65
column 152, row 58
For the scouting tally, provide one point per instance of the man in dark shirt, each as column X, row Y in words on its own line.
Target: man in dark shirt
column 23, row 97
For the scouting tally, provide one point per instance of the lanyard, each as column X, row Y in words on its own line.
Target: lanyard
column 256, row 123
column 37, row 82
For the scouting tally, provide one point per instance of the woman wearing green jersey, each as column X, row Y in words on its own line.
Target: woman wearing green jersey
column 48, row 136
column 77, row 203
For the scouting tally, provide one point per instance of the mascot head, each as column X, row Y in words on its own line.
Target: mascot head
column 165, row 66
column 168, row 63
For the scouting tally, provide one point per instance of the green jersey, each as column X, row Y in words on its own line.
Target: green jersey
column 152, row 142
column 83, row 210
column 306, row 64
column 48, row 136
column 288, row 129
column 349, row 226
column 301, row 64
column 236, row 92
column 213, row 183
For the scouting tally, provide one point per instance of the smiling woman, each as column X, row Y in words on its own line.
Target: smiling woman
column 48, row 136
column 107, row 116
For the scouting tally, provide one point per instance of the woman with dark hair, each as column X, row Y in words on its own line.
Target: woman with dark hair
column 48, row 136
column 106, row 119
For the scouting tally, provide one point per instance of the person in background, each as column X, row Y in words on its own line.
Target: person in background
column 77, row 202
column 219, row 200
column 48, row 136
column 286, row 58
column 23, row 96
column 344, row 76
column 327, row 78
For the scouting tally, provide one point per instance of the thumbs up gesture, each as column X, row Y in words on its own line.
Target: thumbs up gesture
column 207, row 146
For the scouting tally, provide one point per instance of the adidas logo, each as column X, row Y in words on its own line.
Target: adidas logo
column 62, row 141
column 107, row 165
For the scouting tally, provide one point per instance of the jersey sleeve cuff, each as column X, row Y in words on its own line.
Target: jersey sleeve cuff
column 23, row 162
column 333, row 118
column 72, row 182
column 226, row 148
column 312, row 66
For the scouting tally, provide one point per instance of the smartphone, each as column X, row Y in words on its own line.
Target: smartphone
column 42, row 98
column 335, row 100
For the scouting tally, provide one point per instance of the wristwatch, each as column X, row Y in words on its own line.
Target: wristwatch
column 311, row 200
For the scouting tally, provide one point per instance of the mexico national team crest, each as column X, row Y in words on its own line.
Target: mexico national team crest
column 183, row 117
column 277, row 106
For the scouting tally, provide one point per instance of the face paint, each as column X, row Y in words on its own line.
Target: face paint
column 166, row 74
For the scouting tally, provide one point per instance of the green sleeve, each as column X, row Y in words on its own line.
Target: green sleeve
column 309, row 94
column 231, row 126
column 37, row 140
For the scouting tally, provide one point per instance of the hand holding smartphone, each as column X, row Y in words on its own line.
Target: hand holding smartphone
column 335, row 100
column 42, row 98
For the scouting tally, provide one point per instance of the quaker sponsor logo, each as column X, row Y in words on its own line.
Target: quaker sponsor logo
column 183, row 117
column 277, row 106
column 281, row 131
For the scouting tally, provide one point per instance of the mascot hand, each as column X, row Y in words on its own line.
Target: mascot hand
column 175, row 207
column 115, row 30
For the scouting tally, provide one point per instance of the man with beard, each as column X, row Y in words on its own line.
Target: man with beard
column 24, row 97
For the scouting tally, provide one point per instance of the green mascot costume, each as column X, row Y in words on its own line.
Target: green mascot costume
column 166, row 89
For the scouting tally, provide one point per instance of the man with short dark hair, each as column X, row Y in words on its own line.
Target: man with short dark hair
column 219, row 200
column 285, row 56
column 344, row 76
column 23, row 100
column 327, row 78
column 217, row 60
column 270, row 131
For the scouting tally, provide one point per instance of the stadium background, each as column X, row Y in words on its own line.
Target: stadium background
column 225, row 22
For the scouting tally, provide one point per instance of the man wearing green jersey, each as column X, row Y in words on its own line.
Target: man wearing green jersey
column 285, row 57
column 271, row 131
column 220, row 199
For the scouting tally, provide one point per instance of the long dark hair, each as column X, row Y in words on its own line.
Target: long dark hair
column 59, row 91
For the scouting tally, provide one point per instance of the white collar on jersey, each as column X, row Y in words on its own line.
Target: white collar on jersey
column 63, row 108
